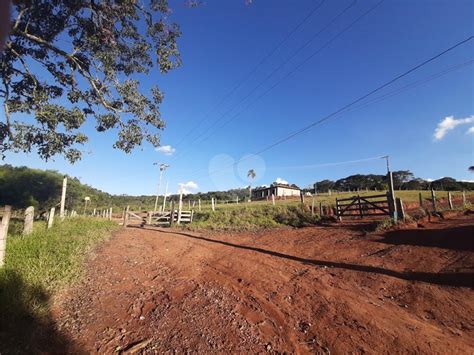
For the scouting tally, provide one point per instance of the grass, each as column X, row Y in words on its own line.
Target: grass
column 408, row 196
column 36, row 267
column 253, row 218
column 262, row 214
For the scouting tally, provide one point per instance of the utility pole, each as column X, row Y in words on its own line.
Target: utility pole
column 393, row 205
column 162, row 168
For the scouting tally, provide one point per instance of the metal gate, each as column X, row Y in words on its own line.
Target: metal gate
column 361, row 206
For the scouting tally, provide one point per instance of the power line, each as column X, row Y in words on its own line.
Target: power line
column 365, row 96
column 253, row 71
column 361, row 98
column 269, row 76
column 319, row 50
column 410, row 86
column 329, row 164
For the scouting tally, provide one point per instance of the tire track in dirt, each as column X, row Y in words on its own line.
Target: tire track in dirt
column 321, row 289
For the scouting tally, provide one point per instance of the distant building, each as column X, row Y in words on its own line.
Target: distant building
column 278, row 189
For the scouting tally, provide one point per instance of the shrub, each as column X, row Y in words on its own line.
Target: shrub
column 255, row 217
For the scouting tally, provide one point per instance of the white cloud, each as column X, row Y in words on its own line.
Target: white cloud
column 470, row 130
column 187, row 187
column 166, row 149
column 448, row 124
column 281, row 181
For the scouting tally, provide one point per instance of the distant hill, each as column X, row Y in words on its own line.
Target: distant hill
column 402, row 180
column 22, row 187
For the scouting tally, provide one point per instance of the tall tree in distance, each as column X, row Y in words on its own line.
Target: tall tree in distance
column 251, row 175
column 65, row 62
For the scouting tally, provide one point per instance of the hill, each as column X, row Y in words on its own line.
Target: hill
column 22, row 187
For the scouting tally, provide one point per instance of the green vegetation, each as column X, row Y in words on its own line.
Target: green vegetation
column 402, row 180
column 23, row 187
column 408, row 197
column 80, row 62
column 254, row 217
column 36, row 267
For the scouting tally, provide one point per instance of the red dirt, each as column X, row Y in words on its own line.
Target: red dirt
column 328, row 289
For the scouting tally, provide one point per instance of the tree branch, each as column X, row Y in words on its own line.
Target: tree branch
column 86, row 74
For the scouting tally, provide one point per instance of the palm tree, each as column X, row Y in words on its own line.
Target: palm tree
column 251, row 175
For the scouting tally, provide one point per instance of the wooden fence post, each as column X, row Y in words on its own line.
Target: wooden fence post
column 7, row 211
column 302, row 197
column 464, row 199
column 51, row 217
column 392, row 202
column 199, row 205
column 213, row 204
column 93, row 213
column 400, row 208
column 420, row 198
column 29, row 216
column 63, row 199
column 172, row 213
column 180, row 207
column 125, row 216
column 433, row 199
column 273, row 199
column 320, row 209
column 312, row 206
column 450, row 200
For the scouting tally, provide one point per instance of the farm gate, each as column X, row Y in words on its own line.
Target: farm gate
column 362, row 206
column 165, row 218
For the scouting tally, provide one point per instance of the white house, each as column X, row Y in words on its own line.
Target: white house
column 278, row 189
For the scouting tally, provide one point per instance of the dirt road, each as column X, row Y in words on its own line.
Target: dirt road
column 328, row 289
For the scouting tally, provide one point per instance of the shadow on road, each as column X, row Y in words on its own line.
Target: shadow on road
column 26, row 326
column 455, row 238
column 449, row 278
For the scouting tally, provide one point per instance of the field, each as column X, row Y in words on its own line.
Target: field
column 408, row 197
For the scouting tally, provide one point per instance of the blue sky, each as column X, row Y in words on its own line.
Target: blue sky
column 223, row 41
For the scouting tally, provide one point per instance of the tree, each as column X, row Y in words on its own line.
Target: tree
column 251, row 175
column 416, row 184
column 324, row 185
column 66, row 62
column 446, row 184
column 401, row 177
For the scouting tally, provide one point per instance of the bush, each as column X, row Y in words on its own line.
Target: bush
column 254, row 217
